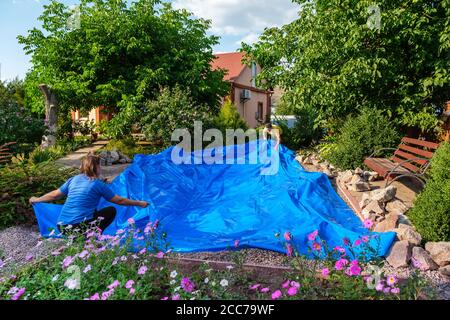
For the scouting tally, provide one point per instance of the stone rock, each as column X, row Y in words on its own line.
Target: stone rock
column 328, row 173
column 384, row 195
column 359, row 171
column 123, row 161
column 359, row 186
column 402, row 219
column 365, row 200
column 371, row 175
column 400, row 254
column 445, row 270
column 103, row 154
column 345, row 176
column 422, row 259
column 355, row 179
column 300, row 158
column 388, row 224
column 396, row 206
column 114, row 155
column 405, row 232
column 315, row 162
column 375, row 207
column 439, row 251
column 307, row 160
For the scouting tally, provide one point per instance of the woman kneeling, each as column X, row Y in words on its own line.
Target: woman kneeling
column 83, row 193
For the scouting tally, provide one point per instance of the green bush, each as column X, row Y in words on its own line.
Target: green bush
column 360, row 136
column 173, row 109
column 431, row 211
column 21, row 180
column 229, row 118
column 303, row 134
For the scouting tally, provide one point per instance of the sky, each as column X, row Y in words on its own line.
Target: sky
column 233, row 20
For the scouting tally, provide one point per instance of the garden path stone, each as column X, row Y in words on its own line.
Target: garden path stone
column 400, row 254
column 439, row 251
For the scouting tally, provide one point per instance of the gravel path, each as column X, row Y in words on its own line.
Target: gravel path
column 21, row 245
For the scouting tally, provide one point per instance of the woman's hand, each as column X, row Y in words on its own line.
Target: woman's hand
column 143, row 204
column 33, row 200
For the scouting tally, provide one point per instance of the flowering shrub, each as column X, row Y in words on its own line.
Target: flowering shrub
column 96, row 267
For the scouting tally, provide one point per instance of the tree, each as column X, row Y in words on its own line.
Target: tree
column 119, row 55
column 229, row 118
column 340, row 56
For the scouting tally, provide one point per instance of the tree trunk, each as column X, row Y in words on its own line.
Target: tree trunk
column 51, row 116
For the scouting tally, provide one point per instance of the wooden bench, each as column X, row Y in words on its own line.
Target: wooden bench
column 410, row 159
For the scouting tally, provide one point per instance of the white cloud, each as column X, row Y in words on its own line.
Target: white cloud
column 243, row 18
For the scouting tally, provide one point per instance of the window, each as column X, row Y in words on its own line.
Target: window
column 260, row 111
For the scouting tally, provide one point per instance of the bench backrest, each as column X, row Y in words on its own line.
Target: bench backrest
column 410, row 148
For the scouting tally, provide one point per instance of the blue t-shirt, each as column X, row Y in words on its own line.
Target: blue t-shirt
column 83, row 195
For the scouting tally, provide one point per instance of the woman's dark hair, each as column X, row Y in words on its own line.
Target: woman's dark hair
column 90, row 166
column 269, row 125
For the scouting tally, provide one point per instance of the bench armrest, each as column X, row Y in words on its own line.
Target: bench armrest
column 378, row 150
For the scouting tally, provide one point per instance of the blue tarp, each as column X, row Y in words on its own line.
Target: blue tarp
column 206, row 207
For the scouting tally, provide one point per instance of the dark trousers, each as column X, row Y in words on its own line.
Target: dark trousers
column 104, row 218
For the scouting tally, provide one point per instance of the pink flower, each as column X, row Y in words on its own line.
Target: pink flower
column 160, row 255
column 357, row 242
column 236, row 243
column 107, row 294
column 143, row 251
column 114, row 285
column 67, row 261
column 317, row 246
column 295, row 284
column 286, row 284
column 379, row 286
column 265, row 290
column 129, row 284
column 187, row 285
column 340, row 264
column 29, row 257
column 18, row 294
column 287, row 236
column 365, row 239
column 276, row 295
column 325, row 272
column 354, row 270
column 292, row 291
column 312, row 236
column 368, row 223
column 340, row 249
column 83, row 254
column 255, row 286
column 142, row 270
column 132, row 291
column 165, row 298
column 176, row 297
column 289, row 250
column 95, row 296
column 391, row 280
column 387, row 290
column 346, row 241
column 395, row 290
column 156, row 224
column 131, row 221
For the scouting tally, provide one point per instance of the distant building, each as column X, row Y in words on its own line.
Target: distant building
column 254, row 104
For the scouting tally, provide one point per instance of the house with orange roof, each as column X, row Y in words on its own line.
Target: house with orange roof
column 253, row 103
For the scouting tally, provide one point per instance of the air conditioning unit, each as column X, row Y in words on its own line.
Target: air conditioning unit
column 246, row 94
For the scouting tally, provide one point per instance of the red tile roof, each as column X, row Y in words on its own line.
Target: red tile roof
column 232, row 62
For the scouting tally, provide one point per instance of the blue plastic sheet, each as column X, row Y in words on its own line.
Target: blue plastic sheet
column 206, row 207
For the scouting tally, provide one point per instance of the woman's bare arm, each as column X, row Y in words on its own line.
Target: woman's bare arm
column 128, row 202
column 49, row 197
